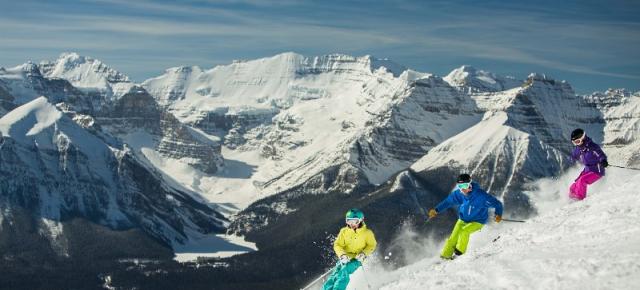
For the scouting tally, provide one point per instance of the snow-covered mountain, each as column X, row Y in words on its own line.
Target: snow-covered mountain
column 330, row 123
column 23, row 83
column 105, row 99
column 57, row 169
column 472, row 80
column 523, row 137
column 502, row 158
column 621, row 117
column 87, row 74
column 279, row 139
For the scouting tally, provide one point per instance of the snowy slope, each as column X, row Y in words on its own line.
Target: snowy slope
column 590, row 244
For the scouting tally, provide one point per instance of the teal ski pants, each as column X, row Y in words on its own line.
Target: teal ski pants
column 339, row 278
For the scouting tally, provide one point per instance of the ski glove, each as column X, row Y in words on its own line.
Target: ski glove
column 432, row 213
column 344, row 259
column 498, row 218
column 604, row 163
column 361, row 257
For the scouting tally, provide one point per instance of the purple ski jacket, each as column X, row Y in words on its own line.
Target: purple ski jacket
column 589, row 154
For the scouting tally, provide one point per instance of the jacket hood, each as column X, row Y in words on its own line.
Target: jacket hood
column 474, row 188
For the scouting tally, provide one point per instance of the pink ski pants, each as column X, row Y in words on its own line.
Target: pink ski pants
column 578, row 189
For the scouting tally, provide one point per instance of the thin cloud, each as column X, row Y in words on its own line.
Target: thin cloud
column 185, row 10
column 523, row 37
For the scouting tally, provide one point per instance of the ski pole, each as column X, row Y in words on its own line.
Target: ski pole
column 513, row 221
column 412, row 188
column 422, row 210
column 365, row 277
column 319, row 278
column 630, row 168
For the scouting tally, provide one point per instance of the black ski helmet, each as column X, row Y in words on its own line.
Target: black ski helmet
column 576, row 134
column 464, row 178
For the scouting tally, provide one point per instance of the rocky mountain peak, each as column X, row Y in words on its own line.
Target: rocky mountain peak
column 87, row 74
column 74, row 67
column 468, row 78
column 539, row 83
column 30, row 69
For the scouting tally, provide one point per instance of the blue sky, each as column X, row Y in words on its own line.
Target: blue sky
column 592, row 44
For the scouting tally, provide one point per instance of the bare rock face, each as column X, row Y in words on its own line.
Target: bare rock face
column 137, row 110
column 6, row 100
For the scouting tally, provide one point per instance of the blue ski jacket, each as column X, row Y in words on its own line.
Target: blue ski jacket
column 473, row 207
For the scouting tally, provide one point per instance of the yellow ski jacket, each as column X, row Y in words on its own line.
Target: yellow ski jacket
column 353, row 242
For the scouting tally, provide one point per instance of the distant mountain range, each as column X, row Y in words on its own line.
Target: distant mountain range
column 255, row 147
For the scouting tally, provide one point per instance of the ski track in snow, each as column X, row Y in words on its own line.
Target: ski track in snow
column 590, row 244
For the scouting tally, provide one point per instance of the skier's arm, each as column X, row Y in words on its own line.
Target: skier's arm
column 598, row 151
column 495, row 203
column 371, row 244
column 575, row 154
column 339, row 244
column 448, row 202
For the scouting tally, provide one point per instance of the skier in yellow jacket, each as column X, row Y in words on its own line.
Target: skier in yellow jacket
column 354, row 243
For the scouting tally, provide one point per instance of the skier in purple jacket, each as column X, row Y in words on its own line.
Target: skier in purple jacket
column 594, row 160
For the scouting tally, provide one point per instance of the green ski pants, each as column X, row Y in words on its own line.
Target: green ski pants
column 459, row 237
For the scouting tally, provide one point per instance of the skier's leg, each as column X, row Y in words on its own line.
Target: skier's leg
column 574, row 187
column 329, row 284
column 589, row 179
column 449, row 245
column 465, row 232
column 580, row 190
column 343, row 278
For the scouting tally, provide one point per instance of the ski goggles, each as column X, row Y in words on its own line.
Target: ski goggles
column 465, row 185
column 352, row 221
column 578, row 141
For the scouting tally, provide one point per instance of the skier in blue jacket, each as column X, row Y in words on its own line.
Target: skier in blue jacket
column 473, row 211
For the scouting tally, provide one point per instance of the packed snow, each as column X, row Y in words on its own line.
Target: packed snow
column 589, row 244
